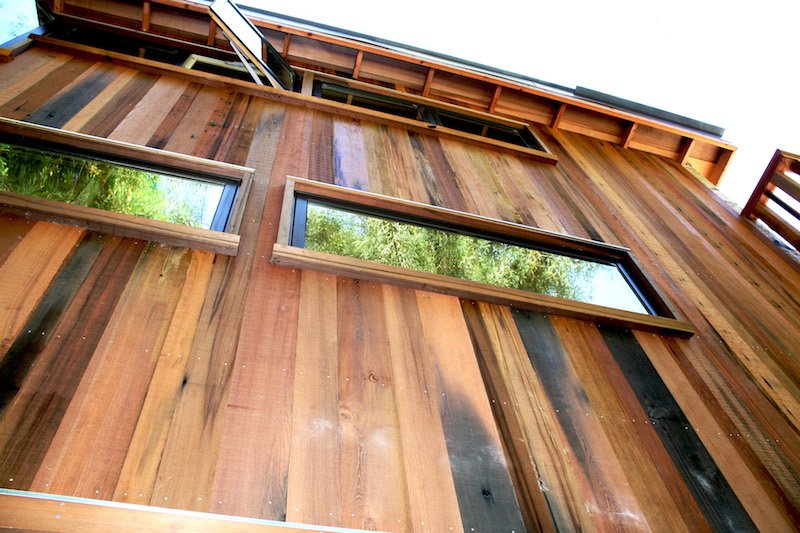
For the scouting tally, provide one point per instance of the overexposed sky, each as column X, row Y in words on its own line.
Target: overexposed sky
column 728, row 63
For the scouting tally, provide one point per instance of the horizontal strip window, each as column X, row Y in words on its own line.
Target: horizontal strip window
column 146, row 187
column 374, row 237
column 437, row 117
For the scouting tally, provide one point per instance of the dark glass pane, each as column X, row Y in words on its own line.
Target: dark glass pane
column 402, row 244
column 461, row 123
column 93, row 183
column 118, row 43
column 375, row 102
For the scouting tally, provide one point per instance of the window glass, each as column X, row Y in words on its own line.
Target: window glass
column 335, row 230
column 18, row 17
column 114, row 187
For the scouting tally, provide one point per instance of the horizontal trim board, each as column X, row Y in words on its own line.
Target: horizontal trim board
column 120, row 224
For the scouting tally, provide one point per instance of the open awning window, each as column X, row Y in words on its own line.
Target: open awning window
column 251, row 45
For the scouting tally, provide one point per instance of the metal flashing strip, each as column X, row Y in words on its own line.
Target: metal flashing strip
column 170, row 511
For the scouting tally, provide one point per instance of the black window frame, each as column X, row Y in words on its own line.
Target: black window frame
column 289, row 250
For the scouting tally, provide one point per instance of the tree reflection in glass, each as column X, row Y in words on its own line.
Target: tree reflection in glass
column 93, row 183
column 437, row 251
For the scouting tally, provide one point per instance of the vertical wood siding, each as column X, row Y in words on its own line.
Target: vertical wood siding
column 150, row 374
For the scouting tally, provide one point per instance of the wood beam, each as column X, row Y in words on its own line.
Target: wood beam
column 558, row 116
column 720, row 166
column 287, row 41
column 627, row 139
column 495, row 97
column 426, row 89
column 357, row 65
column 58, row 6
column 212, row 33
column 686, row 150
column 146, row 15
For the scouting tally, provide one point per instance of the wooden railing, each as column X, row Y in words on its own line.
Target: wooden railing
column 777, row 177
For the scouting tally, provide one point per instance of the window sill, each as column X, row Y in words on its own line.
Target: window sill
column 291, row 256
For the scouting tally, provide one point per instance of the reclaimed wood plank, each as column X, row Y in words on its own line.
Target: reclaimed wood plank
column 164, row 130
column 373, row 490
column 107, row 118
column 35, row 333
column 28, row 271
column 761, row 498
column 480, row 472
column 545, row 478
column 615, row 504
column 313, row 485
column 141, row 123
column 88, row 450
column 350, row 160
column 56, row 111
column 433, row 502
column 12, row 230
column 255, row 445
column 26, row 70
column 29, row 424
column 34, row 92
column 138, row 474
column 84, row 114
column 659, row 488
column 710, row 489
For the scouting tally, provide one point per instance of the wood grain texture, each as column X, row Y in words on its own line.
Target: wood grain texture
column 27, row 272
column 432, row 498
column 427, row 399
column 119, row 373
column 486, row 497
column 32, row 419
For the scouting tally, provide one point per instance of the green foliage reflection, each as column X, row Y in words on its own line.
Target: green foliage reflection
column 450, row 254
column 103, row 185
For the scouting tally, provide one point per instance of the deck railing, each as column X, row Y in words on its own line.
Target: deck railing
column 778, row 190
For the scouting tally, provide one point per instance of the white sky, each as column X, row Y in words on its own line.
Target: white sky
column 733, row 64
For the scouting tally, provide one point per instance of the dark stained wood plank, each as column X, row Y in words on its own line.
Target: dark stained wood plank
column 111, row 114
column 170, row 121
column 38, row 329
column 56, row 111
column 712, row 492
column 432, row 498
column 32, row 97
column 210, row 136
column 486, row 497
column 139, row 471
column 29, row 424
column 27, row 272
column 612, row 498
column 437, row 173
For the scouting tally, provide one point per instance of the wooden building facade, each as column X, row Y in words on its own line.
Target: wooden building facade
column 146, row 374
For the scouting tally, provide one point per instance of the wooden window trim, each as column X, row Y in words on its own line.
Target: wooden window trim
column 287, row 255
column 226, row 243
